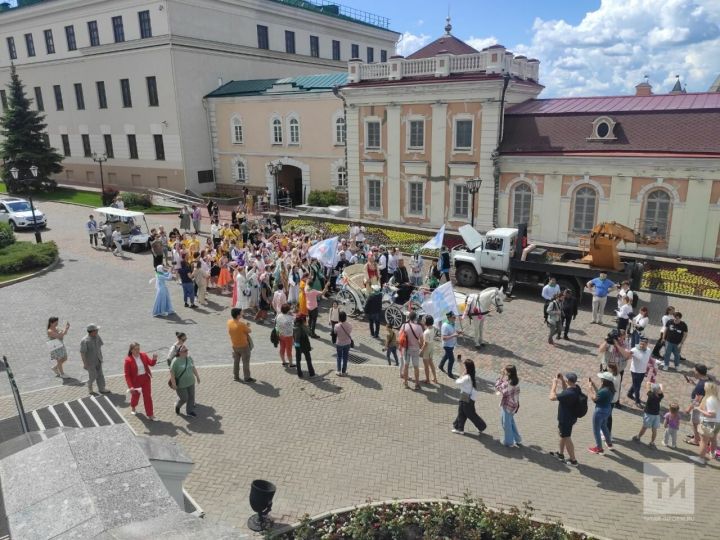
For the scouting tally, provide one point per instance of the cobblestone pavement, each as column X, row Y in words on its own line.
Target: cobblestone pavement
column 309, row 437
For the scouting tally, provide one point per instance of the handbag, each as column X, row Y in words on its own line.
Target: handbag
column 181, row 374
column 402, row 339
column 274, row 337
column 465, row 398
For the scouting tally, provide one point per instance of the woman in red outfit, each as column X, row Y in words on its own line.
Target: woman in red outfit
column 138, row 377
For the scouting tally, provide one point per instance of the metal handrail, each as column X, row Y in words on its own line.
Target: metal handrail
column 16, row 395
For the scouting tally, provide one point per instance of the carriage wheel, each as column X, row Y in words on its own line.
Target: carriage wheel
column 347, row 299
column 394, row 316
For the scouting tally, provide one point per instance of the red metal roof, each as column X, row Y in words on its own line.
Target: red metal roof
column 446, row 44
column 613, row 104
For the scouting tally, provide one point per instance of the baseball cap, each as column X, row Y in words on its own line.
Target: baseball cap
column 571, row 376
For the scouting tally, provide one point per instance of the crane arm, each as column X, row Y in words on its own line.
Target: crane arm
column 615, row 231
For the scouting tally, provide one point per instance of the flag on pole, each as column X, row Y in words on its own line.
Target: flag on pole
column 441, row 301
column 436, row 241
column 324, row 251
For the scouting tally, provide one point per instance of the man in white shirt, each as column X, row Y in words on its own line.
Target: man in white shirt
column 549, row 292
column 639, row 357
column 392, row 263
column 477, row 321
column 382, row 265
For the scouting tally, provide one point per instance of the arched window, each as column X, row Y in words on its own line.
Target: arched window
column 657, row 213
column 584, row 210
column 294, row 131
column 237, row 131
column 277, row 131
column 341, row 177
column 340, row 130
column 239, row 170
column 521, row 203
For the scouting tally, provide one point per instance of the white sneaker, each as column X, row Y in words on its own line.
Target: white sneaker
column 458, row 431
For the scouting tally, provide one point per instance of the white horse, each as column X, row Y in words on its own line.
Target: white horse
column 491, row 297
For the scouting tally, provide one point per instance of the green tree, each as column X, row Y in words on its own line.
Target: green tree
column 25, row 142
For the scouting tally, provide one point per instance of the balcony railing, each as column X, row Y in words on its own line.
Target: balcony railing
column 333, row 9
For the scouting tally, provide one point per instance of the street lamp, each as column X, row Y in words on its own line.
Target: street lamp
column 15, row 172
column 473, row 186
column 274, row 168
column 100, row 159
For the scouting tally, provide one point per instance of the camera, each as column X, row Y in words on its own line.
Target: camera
column 612, row 337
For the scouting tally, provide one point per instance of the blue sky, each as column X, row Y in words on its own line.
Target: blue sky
column 586, row 47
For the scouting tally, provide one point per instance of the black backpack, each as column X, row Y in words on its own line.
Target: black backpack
column 581, row 406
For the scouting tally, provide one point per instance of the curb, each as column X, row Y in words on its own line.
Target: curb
column 45, row 270
column 93, row 207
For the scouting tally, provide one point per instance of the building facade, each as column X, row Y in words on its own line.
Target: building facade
column 127, row 77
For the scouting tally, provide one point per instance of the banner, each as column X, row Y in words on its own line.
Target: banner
column 436, row 241
column 441, row 301
column 325, row 251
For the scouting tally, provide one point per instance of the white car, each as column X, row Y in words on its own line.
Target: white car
column 16, row 212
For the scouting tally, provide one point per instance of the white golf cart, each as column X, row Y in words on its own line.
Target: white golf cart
column 130, row 225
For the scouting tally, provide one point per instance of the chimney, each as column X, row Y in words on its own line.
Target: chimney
column 643, row 89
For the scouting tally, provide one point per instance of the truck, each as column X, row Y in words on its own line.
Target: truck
column 497, row 258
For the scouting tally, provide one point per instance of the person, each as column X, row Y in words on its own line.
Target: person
column 92, row 229
column 264, row 301
column 651, row 416
column 200, row 277
column 416, row 268
column 138, row 377
column 624, row 313
column 696, row 397
column 107, row 230
column 602, row 397
column 391, row 343
column 382, row 263
column 185, row 218
column 333, row 319
column 674, row 335
column 507, row 387
column 428, row 349
column 188, row 287
column 444, row 263
column 117, row 242
column 614, row 351
column 311, row 298
column 58, row 352
column 709, row 410
column 301, row 337
column 279, row 298
column 411, row 354
column 554, row 317
column 284, row 321
column 669, row 313
column 624, row 293
column 549, row 293
column 239, row 331
column 92, row 359
column 162, row 306
column 468, row 396
column 343, row 342
column 392, row 263
column 612, row 370
column 639, row 323
column 183, row 375
column 180, row 339
column 473, row 311
column 196, row 216
column 568, row 400
column 639, row 357
column 157, row 250
column 569, row 306
column 449, row 336
column 402, row 281
column 600, row 287
column 671, row 422
column 373, row 310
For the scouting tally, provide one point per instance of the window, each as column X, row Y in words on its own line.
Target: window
column 87, row 150
column 118, row 30
column 79, row 97
column 315, row 46
column 70, row 37
column 125, row 91
column 463, row 134
column 340, row 130
column 460, row 201
column 109, row 152
column 132, row 146
column 3, row 100
column 289, row 42
column 11, row 48
column 30, row 44
column 153, row 100
column 65, row 145
column 374, row 196
column 237, row 131
column 383, row 55
column 159, row 148
column 39, row 99
column 240, row 172
column 584, row 210
column 415, row 196
column 341, row 177
column 372, row 135
column 355, row 50
column 277, row 131
column 262, row 35
column 145, row 27
column 49, row 42
column 603, row 129
column 657, row 214
column 416, row 134
column 294, row 131
column 521, row 204
column 102, row 97
column 335, row 49
column 370, row 55
column 58, row 97
column 93, row 33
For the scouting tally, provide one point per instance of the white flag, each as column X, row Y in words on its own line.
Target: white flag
column 324, row 251
column 441, row 301
column 436, row 241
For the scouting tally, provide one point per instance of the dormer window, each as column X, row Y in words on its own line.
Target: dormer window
column 603, row 129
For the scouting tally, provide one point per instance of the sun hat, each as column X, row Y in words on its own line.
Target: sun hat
column 606, row 375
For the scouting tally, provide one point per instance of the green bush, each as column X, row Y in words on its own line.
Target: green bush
column 7, row 236
column 141, row 200
column 322, row 198
column 108, row 195
column 23, row 256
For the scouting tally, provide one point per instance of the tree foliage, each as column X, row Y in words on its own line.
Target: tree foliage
column 25, row 142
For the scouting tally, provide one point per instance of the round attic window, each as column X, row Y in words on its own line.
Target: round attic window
column 603, row 129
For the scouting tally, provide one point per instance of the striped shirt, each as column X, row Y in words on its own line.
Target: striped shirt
column 510, row 395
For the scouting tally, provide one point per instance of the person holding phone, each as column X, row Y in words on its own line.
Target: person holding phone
column 139, row 377
column 58, row 352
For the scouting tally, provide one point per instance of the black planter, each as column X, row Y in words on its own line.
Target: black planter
column 261, row 496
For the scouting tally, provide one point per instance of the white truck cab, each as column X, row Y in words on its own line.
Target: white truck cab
column 487, row 255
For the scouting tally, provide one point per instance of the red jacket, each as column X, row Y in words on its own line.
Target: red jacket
column 131, row 370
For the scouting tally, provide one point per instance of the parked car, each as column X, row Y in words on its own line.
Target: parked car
column 16, row 212
column 130, row 224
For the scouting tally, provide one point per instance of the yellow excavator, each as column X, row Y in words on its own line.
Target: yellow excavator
column 601, row 244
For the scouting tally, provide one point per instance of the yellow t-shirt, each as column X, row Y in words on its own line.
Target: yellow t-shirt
column 238, row 333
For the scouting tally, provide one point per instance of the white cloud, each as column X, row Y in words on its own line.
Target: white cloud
column 481, row 43
column 409, row 43
column 612, row 48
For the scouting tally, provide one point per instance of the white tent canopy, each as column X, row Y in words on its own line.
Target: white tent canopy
column 110, row 211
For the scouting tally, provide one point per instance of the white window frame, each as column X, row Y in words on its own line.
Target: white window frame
column 293, row 141
column 238, row 160
column 668, row 217
column 236, row 122
column 408, row 134
column 368, row 210
column 275, row 121
column 415, row 181
column 341, row 173
column 592, row 222
column 371, row 120
column 460, row 184
column 339, row 116
column 513, row 219
column 461, row 118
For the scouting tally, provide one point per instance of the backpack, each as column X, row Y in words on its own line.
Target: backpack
column 581, row 407
column 402, row 338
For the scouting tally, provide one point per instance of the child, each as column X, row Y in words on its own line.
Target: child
column 334, row 318
column 672, row 425
column 651, row 418
column 652, row 369
column 391, row 344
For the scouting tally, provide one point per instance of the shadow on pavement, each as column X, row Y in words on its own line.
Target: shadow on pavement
column 264, row 389
column 207, row 421
column 161, row 427
column 368, row 351
column 177, row 319
column 501, row 352
column 571, row 348
column 72, row 381
column 610, row 480
column 367, row 382
column 322, row 383
column 444, row 394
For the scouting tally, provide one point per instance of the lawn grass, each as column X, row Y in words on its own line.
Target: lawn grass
column 9, row 277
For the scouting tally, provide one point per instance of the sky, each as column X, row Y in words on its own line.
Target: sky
column 585, row 47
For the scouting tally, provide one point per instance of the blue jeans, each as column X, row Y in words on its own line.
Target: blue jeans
column 600, row 424
column 448, row 357
column 634, row 338
column 507, row 421
column 343, row 351
column 393, row 351
column 671, row 348
column 188, row 292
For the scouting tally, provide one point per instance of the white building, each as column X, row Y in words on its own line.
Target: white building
column 127, row 77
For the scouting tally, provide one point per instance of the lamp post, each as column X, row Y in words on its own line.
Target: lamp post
column 274, row 168
column 473, row 186
column 15, row 172
column 100, row 159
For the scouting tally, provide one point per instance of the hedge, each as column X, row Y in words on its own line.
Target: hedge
column 7, row 236
column 136, row 200
column 322, row 198
column 23, row 256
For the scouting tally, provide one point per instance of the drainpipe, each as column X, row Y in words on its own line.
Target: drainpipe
column 496, row 154
column 336, row 91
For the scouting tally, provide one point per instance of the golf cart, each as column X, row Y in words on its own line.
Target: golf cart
column 130, row 225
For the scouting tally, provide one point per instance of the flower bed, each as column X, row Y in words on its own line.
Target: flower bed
column 471, row 520
column 700, row 282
